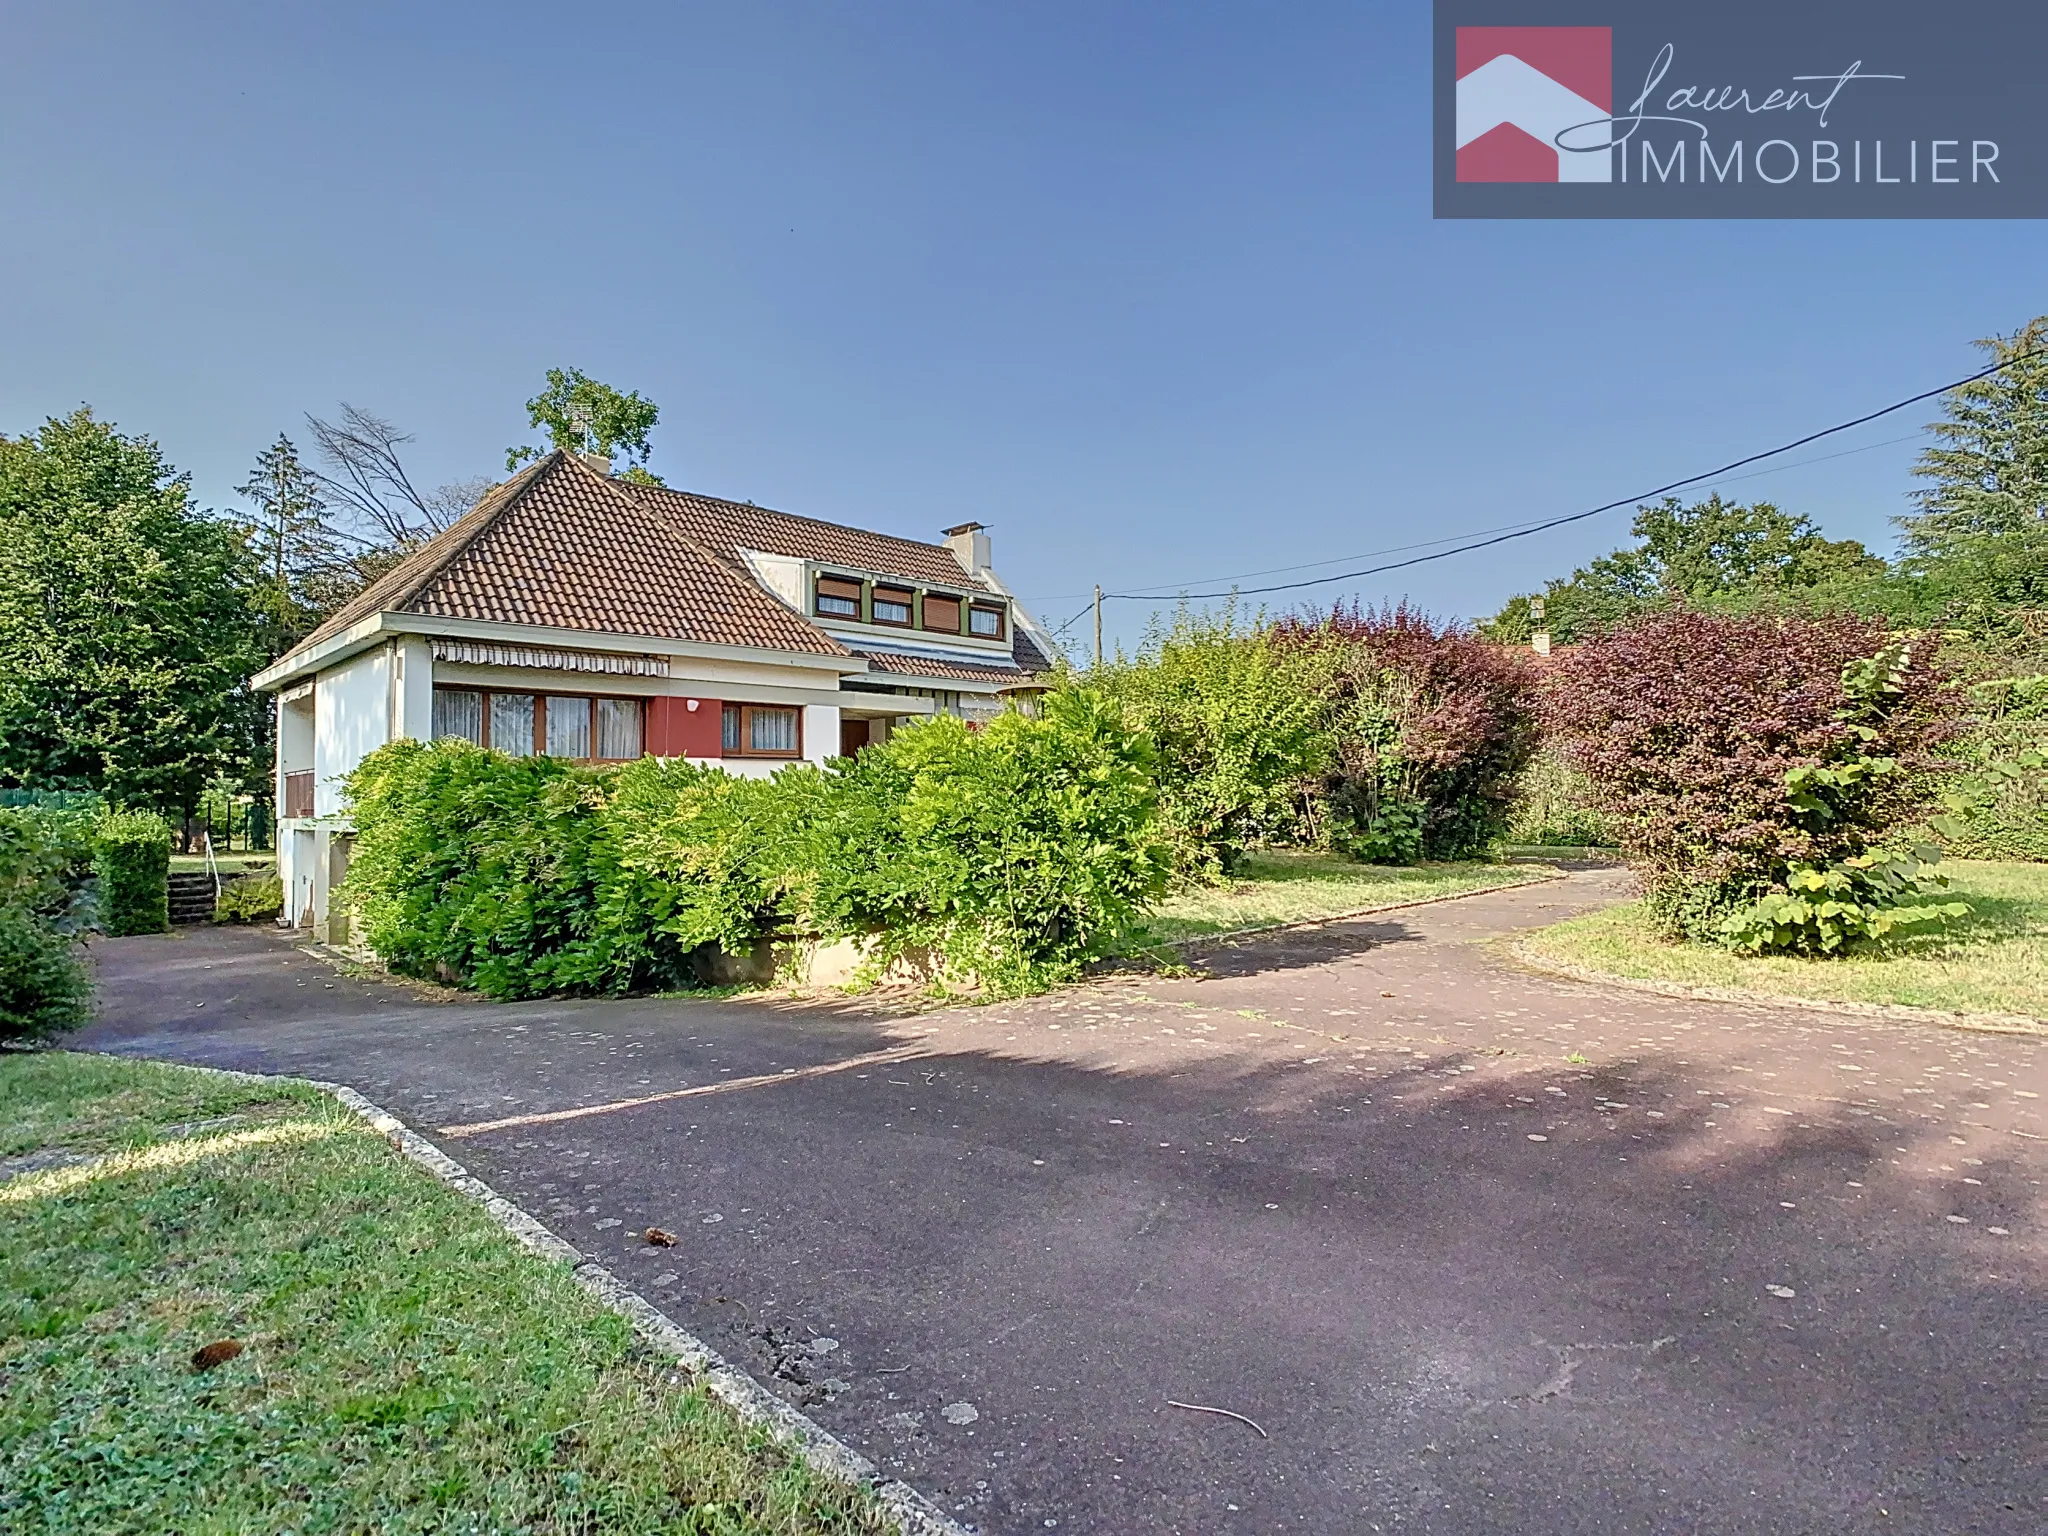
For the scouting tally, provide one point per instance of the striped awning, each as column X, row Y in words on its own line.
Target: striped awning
column 478, row 653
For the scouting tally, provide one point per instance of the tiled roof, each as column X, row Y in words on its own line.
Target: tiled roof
column 1025, row 662
column 1029, row 656
column 731, row 526
column 562, row 546
column 568, row 548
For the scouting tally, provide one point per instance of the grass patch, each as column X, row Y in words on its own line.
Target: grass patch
column 1993, row 961
column 405, row 1366
column 1276, row 888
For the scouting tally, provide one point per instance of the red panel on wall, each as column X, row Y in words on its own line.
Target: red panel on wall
column 685, row 727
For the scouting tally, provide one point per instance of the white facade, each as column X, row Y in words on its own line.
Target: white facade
column 384, row 692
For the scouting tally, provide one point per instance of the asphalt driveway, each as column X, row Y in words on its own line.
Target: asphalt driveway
column 1476, row 1251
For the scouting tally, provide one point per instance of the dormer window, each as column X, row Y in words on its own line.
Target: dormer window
column 893, row 604
column 985, row 621
column 838, row 597
column 942, row 614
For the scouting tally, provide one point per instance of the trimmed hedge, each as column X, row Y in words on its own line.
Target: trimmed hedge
column 132, row 858
column 43, row 986
column 1010, row 855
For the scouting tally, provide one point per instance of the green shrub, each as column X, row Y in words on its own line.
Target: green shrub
column 1554, row 807
column 1011, row 855
column 1240, row 731
column 250, row 899
column 483, row 869
column 1859, row 900
column 1997, row 796
column 43, row 987
column 132, row 860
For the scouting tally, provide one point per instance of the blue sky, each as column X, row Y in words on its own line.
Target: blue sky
column 1153, row 291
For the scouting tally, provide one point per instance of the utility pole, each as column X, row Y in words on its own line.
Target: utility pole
column 1098, row 626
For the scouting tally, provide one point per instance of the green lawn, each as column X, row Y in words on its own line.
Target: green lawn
column 1994, row 961
column 405, row 1366
column 1272, row 889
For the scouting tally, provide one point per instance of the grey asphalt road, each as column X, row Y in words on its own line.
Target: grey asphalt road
column 1475, row 1250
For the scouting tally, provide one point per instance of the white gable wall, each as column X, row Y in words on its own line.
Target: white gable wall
column 352, row 710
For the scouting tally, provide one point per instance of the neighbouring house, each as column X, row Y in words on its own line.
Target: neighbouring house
column 585, row 616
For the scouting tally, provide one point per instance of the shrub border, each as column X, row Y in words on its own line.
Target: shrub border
column 753, row 1404
column 1515, row 948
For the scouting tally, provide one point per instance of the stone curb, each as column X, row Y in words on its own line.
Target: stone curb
column 819, row 1449
column 753, row 1404
column 1897, row 1013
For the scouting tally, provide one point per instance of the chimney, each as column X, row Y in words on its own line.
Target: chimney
column 969, row 543
column 601, row 462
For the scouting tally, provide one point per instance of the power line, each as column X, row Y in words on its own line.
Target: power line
column 1524, row 531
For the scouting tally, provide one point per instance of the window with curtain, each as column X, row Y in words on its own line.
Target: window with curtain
column 568, row 726
column 763, row 730
column 459, row 713
column 512, row 724
column 838, row 597
column 618, row 728
column 892, row 605
column 986, row 622
column 772, row 731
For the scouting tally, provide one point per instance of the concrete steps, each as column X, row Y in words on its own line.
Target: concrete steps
column 191, row 896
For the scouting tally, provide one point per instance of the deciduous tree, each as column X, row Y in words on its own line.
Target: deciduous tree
column 128, row 627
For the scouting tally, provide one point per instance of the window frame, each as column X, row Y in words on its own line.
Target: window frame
column 746, row 733
column 903, row 597
column 819, row 596
column 1002, row 616
column 540, row 698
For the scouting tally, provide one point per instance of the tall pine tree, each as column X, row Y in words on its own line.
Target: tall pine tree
column 1989, row 464
column 307, row 572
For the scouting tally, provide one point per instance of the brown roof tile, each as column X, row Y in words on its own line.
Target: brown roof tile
column 731, row 526
column 562, row 546
column 565, row 547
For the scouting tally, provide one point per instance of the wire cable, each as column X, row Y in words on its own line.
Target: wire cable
column 1524, row 532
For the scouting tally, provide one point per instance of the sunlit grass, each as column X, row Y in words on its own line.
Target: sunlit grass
column 1276, row 888
column 1994, row 961
column 404, row 1366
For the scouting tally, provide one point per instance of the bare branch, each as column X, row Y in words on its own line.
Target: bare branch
column 366, row 476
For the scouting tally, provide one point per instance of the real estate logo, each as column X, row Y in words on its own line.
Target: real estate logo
column 1668, row 109
column 1522, row 91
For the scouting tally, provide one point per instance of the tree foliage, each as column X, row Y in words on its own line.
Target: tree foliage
column 128, row 622
column 1710, row 554
column 307, row 571
column 1989, row 462
column 579, row 414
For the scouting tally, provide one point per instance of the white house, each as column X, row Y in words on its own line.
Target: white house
column 591, row 617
